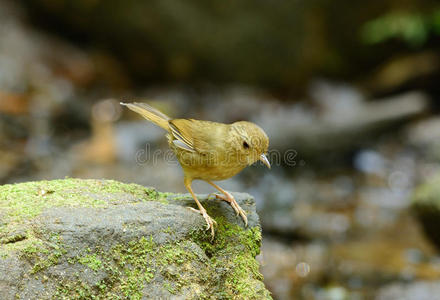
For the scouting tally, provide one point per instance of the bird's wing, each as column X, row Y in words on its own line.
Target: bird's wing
column 182, row 130
column 191, row 135
column 149, row 113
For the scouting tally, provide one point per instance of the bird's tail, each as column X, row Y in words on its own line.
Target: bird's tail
column 150, row 113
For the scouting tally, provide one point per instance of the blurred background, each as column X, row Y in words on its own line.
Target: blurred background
column 347, row 91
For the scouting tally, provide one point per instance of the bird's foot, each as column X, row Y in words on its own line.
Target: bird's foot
column 209, row 221
column 230, row 199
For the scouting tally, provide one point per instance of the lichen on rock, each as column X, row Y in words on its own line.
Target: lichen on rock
column 87, row 239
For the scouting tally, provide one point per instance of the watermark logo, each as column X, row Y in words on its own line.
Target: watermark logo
column 276, row 158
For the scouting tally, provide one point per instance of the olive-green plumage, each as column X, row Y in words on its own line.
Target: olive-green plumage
column 209, row 150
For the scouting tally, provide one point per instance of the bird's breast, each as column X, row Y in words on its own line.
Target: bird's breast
column 209, row 165
column 206, row 172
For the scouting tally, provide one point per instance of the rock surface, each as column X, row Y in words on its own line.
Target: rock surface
column 84, row 239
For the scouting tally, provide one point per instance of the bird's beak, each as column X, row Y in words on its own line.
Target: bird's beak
column 265, row 161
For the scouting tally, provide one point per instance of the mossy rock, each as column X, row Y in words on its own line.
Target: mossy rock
column 426, row 205
column 102, row 239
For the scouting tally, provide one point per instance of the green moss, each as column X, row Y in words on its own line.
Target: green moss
column 46, row 262
column 175, row 253
column 92, row 261
column 13, row 238
column 225, row 268
column 231, row 272
column 143, row 259
column 181, row 197
column 233, row 251
column 167, row 230
column 24, row 201
column 27, row 246
column 80, row 290
column 163, row 197
column 136, row 266
column 227, row 233
column 170, row 288
column 41, row 254
column 130, row 267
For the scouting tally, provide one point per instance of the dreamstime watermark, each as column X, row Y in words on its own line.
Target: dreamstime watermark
column 276, row 158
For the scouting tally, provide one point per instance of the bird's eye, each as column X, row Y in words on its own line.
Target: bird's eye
column 245, row 145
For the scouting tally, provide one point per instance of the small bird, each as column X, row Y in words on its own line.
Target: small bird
column 210, row 151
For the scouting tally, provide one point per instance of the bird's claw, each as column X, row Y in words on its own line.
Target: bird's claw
column 238, row 210
column 210, row 222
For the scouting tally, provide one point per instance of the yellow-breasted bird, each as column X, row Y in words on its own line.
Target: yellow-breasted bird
column 210, row 151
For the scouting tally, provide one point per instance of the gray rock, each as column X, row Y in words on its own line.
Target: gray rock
column 80, row 239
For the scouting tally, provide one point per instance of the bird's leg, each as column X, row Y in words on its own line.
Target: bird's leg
column 230, row 199
column 209, row 221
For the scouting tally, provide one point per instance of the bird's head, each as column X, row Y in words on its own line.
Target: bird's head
column 251, row 141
